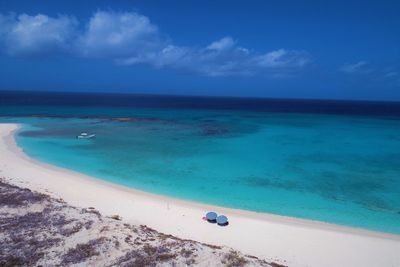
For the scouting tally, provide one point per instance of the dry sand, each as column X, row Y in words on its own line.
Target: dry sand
column 286, row 240
column 37, row 230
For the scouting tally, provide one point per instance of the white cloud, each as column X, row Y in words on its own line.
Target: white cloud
column 119, row 35
column 222, row 58
column 37, row 35
column 222, row 44
column 391, row 74
column 129, row 38
column 167, row 56
column 359, row 67
column 388, row 75
column 283, row 58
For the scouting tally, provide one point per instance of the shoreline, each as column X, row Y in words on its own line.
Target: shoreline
column 12, row 145
column 287, row 240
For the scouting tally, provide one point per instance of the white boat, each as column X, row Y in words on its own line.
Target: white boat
column 85, row 136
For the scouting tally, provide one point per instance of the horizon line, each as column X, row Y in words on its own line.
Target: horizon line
column 203, row 96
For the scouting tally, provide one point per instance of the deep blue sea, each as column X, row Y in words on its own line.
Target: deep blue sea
column 332, row 161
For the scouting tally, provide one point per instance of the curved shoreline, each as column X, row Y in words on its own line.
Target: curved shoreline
column 292, row 241
column 11, row 143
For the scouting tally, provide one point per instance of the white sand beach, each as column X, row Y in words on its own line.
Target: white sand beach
column 289, row 241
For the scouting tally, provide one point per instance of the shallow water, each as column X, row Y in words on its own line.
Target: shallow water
column 343, row 169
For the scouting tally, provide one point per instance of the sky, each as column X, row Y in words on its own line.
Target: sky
column 278, row 49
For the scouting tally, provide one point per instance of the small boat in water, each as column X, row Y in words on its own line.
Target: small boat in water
column 85, row 136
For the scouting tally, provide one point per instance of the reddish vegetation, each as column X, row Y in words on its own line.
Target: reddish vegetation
column 39, row 230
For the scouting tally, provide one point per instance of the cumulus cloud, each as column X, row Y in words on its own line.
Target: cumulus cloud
column 222, row 57
column 359, row 67
column 36, row 35
column 119, row 34
column 168, row 56
column 129, row 38
column 222, row 44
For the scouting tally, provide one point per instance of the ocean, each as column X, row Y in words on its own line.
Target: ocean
column 331, row 161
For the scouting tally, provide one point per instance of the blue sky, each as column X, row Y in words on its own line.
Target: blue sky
column 289, row 49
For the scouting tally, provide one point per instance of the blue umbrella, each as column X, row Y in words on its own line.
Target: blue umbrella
column 211, row 216
column 222, row 220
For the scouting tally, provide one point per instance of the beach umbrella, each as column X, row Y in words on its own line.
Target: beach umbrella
column 222, row 220
column 211, row 216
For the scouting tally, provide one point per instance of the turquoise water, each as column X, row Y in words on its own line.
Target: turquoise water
column 337, row 169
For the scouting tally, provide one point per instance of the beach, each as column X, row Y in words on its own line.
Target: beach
column 288, row 241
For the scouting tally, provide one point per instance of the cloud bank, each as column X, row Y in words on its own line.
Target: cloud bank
column 129, row 38
column 25, row 35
